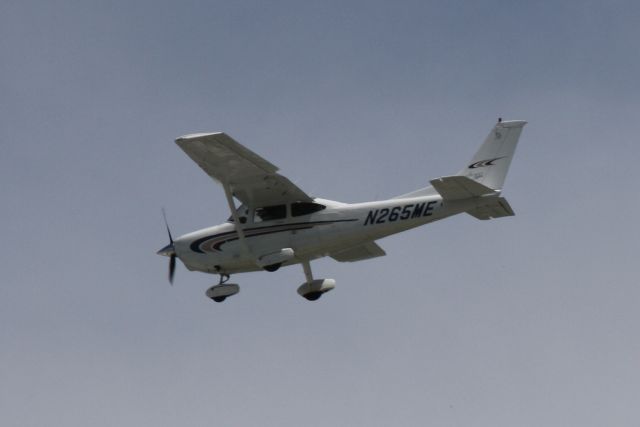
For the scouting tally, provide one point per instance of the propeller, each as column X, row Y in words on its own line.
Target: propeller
column 169, row 250
column 172, row 268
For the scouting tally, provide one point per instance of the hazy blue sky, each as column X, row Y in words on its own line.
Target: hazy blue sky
column 528, row 321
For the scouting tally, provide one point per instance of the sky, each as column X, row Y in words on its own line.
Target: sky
column 529, row 320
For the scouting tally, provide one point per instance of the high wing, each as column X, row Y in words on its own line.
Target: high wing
column 359, row 253
column 252, row 180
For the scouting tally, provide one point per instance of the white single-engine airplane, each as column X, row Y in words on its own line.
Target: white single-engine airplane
column 278, row 224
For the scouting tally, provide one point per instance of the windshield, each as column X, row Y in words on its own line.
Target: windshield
column 243, row 212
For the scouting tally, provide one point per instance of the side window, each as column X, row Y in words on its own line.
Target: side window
column 270, row 213
column 305, row 208
column 243, row 213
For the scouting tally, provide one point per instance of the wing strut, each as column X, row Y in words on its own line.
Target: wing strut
column 236, row 219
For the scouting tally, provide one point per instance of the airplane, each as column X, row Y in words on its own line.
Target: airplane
column 277, row 224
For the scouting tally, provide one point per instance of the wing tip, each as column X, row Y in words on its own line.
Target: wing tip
column 512, row 123
column 192, row 136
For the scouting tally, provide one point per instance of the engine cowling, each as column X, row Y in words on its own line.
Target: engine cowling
column 316, row 288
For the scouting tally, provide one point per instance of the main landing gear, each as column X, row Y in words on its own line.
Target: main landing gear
column 311, row 290
column 314, row 289
column 222, row 290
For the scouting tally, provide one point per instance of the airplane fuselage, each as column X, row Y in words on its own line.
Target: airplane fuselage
column 218, row 249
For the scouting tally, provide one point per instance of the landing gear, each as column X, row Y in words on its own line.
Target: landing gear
column 312, row 289
column 274, row 260
column 222, row 290
column 273, row 267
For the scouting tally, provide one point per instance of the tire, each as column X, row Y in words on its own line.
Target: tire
column 273, row 267
column 313, row 296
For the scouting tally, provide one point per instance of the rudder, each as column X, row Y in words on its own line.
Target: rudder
column 491, row 162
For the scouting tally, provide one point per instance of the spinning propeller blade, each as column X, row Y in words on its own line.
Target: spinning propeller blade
column 169, row 250
column 172, row 268
column 166, row 224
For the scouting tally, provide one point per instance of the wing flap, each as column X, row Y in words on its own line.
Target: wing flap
column 359, row 253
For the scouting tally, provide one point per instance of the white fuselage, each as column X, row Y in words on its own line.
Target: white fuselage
column 338, row 227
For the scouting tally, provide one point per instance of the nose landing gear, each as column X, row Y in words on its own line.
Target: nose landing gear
column 222, row 290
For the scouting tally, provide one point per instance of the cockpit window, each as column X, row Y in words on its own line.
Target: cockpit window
column 305, row 208
column 270, row 213
column 243, row 212
column 243, row 219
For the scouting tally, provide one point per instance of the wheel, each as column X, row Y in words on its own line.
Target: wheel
column 272, row 267
column 314, row 289
column 313, row 296
column 220, row 292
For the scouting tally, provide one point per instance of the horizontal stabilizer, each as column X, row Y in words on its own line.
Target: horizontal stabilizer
column 460, row 187
column 359, row 253
column 496, row 209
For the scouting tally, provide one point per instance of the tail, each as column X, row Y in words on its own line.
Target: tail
column 490, row 164
column 484, row 177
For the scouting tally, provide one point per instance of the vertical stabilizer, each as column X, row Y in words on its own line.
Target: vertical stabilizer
column 490, row 164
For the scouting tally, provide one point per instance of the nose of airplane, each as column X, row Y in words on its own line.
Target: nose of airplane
column 168, row 250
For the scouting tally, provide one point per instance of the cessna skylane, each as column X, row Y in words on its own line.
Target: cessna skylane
column 276, row 224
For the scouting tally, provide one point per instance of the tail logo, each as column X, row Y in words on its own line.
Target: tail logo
column 483, row 163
